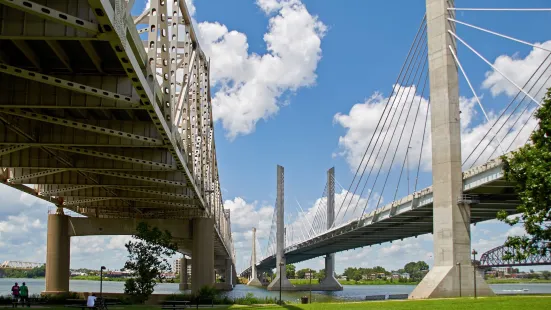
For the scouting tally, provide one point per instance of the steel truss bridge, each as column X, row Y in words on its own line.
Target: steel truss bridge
column 496, row 257
column 105, row 119
column 10, row 264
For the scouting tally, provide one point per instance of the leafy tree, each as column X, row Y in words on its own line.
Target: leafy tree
column 290, row 271
column 321, row 274
column 546, row 274
column 416, row 269
column 530, row 168
column 147, row 260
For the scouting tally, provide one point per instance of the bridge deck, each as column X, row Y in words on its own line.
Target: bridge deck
column 85, row 118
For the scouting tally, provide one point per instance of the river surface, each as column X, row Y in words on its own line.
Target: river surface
column 350, row 292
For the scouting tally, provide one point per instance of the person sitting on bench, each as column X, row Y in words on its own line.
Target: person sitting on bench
column 91, row 302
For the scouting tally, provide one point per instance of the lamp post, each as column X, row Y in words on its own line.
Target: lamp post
column 101, row 281
column 280, row 280
column 459, row 268
column 474, row 252
column 310, row 285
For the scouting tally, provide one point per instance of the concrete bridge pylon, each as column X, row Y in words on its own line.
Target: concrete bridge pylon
column 281, row 275
column 254, row 281
column 330, row 282
column 452, row 274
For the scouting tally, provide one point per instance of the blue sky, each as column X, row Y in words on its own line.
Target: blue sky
column 281, row 105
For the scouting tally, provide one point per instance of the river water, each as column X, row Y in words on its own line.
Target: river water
column 350, row 292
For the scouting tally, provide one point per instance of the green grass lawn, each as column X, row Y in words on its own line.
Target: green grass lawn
column 501, row 303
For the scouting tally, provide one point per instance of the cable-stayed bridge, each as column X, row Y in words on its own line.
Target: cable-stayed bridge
column 109, row 116
column 421, row 135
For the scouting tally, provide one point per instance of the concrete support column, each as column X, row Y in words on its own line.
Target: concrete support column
column 228, row 273
column 451, row 224
column 58, row 254
column 280, row 236
column 254, row 274
column 329, row 281
column 184, row 277
column 202, row 264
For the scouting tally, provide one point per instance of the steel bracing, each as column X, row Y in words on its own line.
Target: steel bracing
column 106, row 117
column 504, row 256
column 10, row 264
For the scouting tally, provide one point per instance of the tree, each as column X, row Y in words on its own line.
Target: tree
column 290, row 271
column 530, row 168
column 321, row 274
column 147, row 260
column 416, row 269
column 546, row 274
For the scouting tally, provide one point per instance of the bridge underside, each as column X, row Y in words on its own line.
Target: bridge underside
column 86, row 124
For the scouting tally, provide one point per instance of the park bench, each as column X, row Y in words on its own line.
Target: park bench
column 398, row 296
column 375, row 297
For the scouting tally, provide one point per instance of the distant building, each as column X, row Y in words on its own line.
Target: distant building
column 308, row 275
column 404, row 275
column 176, row 266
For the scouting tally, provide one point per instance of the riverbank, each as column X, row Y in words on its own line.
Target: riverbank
column 516, row 281
column 345, row 282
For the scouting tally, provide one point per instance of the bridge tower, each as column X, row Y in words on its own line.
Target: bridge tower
column 280, row 237
column 329, row 281
column 254, row 274
column 451, row 224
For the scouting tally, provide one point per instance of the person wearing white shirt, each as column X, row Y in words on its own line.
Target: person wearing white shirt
column 91, row 301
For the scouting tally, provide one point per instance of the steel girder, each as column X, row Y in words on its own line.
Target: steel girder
column 97, row 117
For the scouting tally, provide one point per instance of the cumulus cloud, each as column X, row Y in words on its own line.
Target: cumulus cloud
column 519, row 70
column 244, row 216
column 477, row 134
column 249, row 85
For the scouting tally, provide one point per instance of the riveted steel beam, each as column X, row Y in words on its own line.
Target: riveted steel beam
column 66, row 189
column 79, row 125
column 86, row 201
column 73, row 86
column 141, row 178
column 117, row 157
column 11, row 149
column 52, row 15
column 22, row 178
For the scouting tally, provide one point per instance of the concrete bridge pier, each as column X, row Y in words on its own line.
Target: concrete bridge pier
column 202, row 263
column 58, row 254
column 451, row 213
column 281, row 275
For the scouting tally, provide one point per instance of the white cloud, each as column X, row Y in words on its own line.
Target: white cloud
column 519, row 70
column 244, row 216
column 250, row 85
column 362, row 119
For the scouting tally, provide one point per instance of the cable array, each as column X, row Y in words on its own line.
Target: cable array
column 387, row 145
